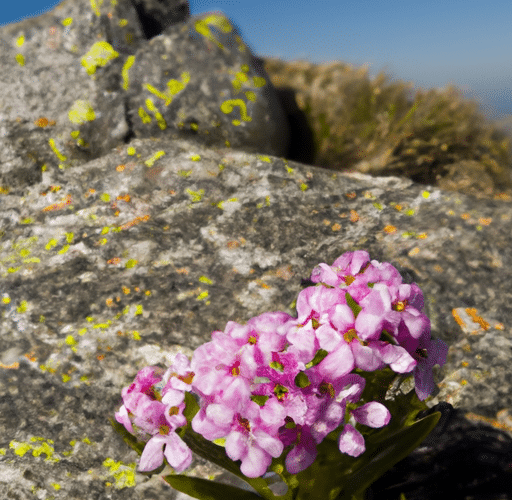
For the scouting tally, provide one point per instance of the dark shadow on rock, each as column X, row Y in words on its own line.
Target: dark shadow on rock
column 156, row 15
column 459, row 460
column 302, row 145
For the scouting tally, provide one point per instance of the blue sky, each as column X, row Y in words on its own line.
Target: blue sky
column 433, row 43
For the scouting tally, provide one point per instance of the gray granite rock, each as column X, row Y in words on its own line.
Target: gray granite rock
column 199, row 79
column 140, row 247
column 82, row 79
column 111, row 265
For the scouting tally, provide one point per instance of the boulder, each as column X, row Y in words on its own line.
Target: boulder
column 113, row 264
column 143, row 243
column 82, row 79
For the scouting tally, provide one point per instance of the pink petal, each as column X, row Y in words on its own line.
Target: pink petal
column 351, row 441
column 324, row 273
column 123, row 418
column 369, row 325
column 177, row 453
column 398, row 359
column 366, row 357
column 207, row 428
column 342, row 318
column 301, row 456
column 273, row 446
column 372, row 414
column 337, row 363
column 255, row 463
column 236, row 445
column 153, row 455
column 328, row 338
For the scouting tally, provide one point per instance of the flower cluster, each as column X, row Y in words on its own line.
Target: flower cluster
column 153, row 410
column 280, row 384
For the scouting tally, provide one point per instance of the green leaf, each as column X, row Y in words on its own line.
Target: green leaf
column 302, row 380
column 208, row 490
column 217, row 454
column 319, row 356
column 356, row 308
column 128, row 438
column 191, row 406
column 382, row 454
column 260, row 400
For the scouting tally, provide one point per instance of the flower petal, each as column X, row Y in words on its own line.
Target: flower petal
column 255, row 463
column 372, row 414
column 153, row 454
column 337, row 363
column 236, row 445
column 177, row 453
column 351, row 441
column 302, row 455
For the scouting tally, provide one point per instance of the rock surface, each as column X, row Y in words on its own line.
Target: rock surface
column 142, row 248
column 82, row 79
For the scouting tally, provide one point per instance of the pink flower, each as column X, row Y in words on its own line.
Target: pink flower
column 355, row 271
column 171, row 446
column 238, row 351
column 303, row 454
column 253, row 446
column 153, row 409
column 351, row 441
column 316, row 302
column 343, row 269
column 373, row 414
column 250, row 430
column 429, row 353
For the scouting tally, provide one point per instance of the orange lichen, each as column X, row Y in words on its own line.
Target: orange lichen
column 457, row 318
column 284, row 272
column 485, row 221
column 354, row 216
column 59, row 205
column 262, row 284
column 135, row 221
column 495, row 423
column 390, row 229
column 30, row 356
column 477, row 319
column 13, row 366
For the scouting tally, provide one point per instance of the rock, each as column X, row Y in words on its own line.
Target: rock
column 459, row 459
column 200, row 80
column 82, row 79
column 156, row 15
column 141, row 249
column 108, row 266
column 378, row 127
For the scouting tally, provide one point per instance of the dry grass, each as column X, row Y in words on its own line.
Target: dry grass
column 377, row 126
